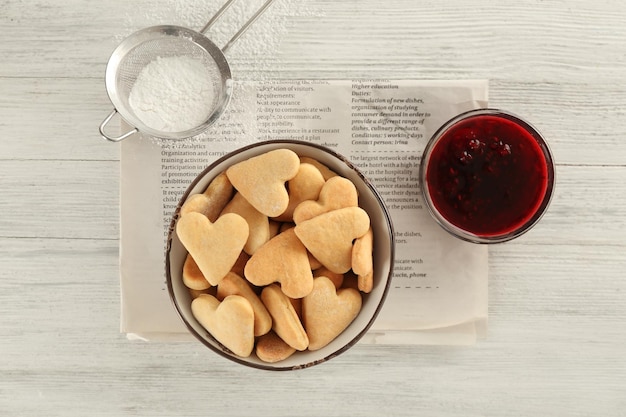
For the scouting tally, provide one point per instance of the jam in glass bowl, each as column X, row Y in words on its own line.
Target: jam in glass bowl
column 487, row 176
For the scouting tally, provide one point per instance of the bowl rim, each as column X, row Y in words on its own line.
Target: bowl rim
column 172, row 227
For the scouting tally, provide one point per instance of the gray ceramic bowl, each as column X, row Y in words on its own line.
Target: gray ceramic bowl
column 384, row 248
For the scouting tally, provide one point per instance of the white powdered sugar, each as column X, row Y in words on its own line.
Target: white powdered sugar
column 173, row 94
column 255, row 56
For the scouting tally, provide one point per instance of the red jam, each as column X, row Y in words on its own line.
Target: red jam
column 487, row 175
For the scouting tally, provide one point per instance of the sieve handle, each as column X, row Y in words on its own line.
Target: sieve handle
column 114, row 138
column 243, row 28
column 216, row 16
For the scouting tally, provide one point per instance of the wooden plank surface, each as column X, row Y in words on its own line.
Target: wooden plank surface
column 557, row 295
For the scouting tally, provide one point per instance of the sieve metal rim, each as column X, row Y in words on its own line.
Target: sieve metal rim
column 150, row 34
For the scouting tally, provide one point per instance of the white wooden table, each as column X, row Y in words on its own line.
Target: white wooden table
column 557, row 330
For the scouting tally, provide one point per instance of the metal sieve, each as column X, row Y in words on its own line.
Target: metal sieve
column 144, row 46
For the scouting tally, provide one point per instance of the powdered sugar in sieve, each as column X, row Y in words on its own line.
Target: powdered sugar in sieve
column 174, row 94
column 170, row 82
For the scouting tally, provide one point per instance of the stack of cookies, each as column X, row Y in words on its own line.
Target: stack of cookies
column 279, row 253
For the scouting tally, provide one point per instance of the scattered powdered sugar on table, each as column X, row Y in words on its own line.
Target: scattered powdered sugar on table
column 173, row 94
column 256, row 56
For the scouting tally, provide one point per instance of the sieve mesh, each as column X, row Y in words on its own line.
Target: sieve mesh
column 145, row 46
column 138, row 50
column 131, row 65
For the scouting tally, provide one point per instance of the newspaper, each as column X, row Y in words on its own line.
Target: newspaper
column 438, row 293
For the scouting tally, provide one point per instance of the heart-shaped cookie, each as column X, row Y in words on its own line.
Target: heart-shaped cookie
column 283, row 259
column 329, row 236
column 323, row 169
column 258, row 223
column 336, row 279
column 271, row 348
column 212, row 200
column 306, row 185
column 233, row 284
column 261, row 179
column 231, row 322
column 327, row 311
column 214, row 246
column 286, row 322
column 337, row 192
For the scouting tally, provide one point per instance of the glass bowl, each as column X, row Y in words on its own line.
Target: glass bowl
column 487, row 176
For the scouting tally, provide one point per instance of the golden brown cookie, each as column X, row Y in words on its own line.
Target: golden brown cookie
column 323, row 169
column 337, row 192
column 366, row 282
column 196, row 293
column 231, row 321
column 192, row 276
column 315, row 264
column 233, row 284
column 283, row 259
column 329, row 236
column 214, row 246
column 306, row 185
column 327, row 312
column 285, row 321
column 362, row 260
column 258, row 223
column 271, row 348
column 322, row 271
column 261, row 180
column 212, row 200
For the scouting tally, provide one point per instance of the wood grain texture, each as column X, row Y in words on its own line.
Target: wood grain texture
column 54, row 118
column 557, row 295
column 60, row 199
